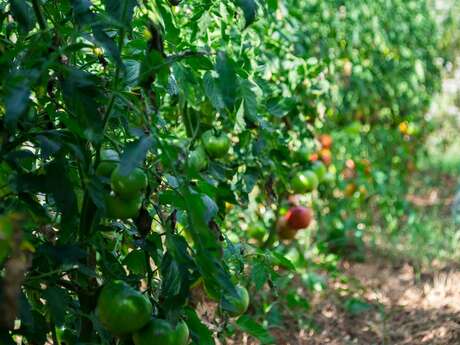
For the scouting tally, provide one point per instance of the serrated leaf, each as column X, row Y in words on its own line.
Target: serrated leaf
column 57, row 301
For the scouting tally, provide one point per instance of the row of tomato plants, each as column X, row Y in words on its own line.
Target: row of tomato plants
column 150, row 149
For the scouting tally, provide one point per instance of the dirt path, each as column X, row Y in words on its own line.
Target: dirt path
column 397, row 306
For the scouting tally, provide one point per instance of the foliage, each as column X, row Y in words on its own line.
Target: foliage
column 219, row 105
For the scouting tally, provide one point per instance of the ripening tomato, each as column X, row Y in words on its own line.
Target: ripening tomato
column 350, row 189
column 326, row 141
column 298, row 217
column 284, row 231
column 326, row 156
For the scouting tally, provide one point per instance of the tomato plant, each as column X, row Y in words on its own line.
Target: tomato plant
column 157, row 144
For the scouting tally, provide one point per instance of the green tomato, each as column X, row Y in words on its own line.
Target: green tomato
column 110, row 155
column 118, row 208
column 237, row 305
column 304, row 182
column 197, row 159
column 303, row 154
column 216, row 147
column 257, row 232
column 320, row 170
column 129, row 186
column 162, row 332
column 122, row 309
column 109, row 162
column 66, row 336
column 329, row 178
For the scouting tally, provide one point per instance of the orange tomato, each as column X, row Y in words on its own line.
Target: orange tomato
column 326, row 156
column 326, row 141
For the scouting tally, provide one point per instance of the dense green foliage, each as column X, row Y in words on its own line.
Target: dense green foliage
column 156, row 142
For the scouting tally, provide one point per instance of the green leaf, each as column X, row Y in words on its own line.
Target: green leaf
column 171, row 197
column 249, row 101
column 60, row 186
column 5, row 338
column 136, row 262
column 281, row 260
column 208, row 250
column 356, row 306
column 227, row 80
column 108, row 43
column 57, row 301
column 23, row 14
column 272, row 5
column 134, row 154
column 212, row 91
column 16, row 102
column 249, row 9
column 80, row 91
column 97, row 192
column 250, row 326
column 211, row 208
column 280, row 106
column 121, row 10
column 200, row 334
column 171, row 276
column 259, row 275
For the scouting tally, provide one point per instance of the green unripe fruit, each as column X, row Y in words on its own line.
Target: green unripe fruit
column 304, row 182
column 121, row 309
column 162, row 332
column 197, row 159
column 109, row 162
column 216, row 146
column 238, row 305
column 118, row 208
column 320, row 170
column 128, row 186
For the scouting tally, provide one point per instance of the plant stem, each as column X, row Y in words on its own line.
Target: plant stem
column 39, row 14
column 272, row 235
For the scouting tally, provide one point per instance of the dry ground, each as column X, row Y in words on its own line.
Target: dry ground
column 405, row 309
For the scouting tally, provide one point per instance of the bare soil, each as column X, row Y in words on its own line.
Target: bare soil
column 404, row 308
